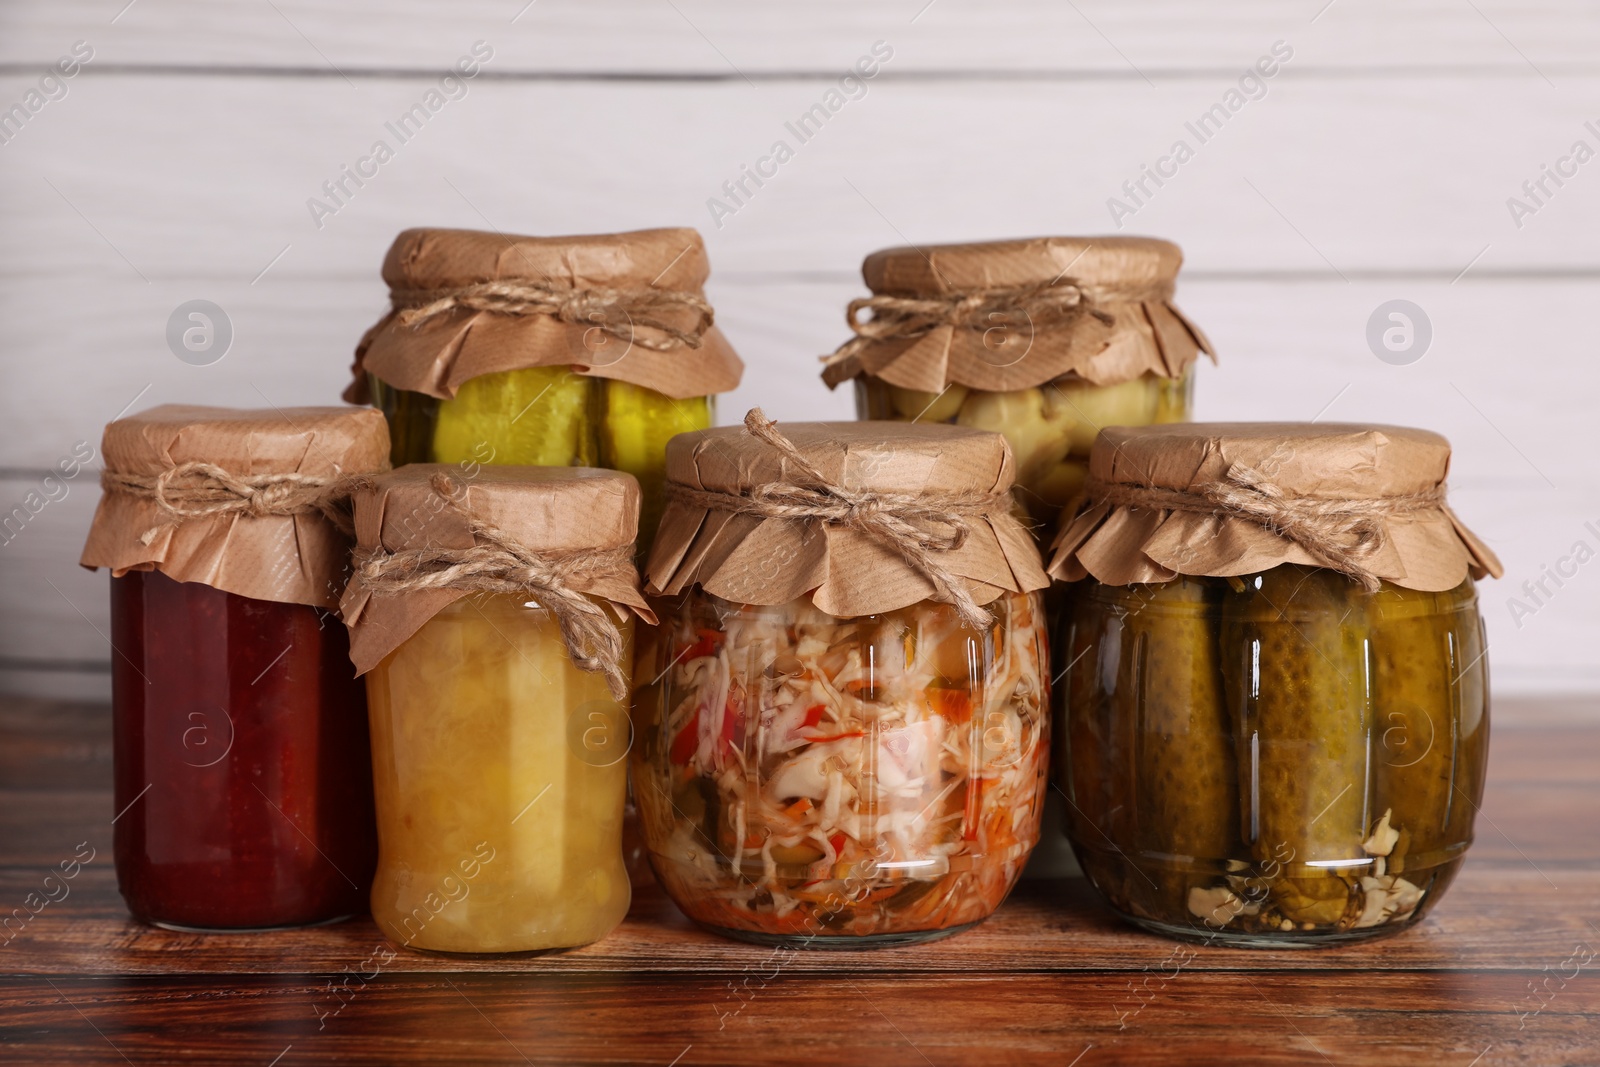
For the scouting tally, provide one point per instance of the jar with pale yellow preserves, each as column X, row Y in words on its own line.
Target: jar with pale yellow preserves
column 1045, row 341
column 493, row 621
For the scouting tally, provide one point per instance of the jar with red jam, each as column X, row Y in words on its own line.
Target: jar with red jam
column 242, row 769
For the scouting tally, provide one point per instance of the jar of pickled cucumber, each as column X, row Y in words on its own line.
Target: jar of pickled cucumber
column 1044, row 340
column 1273, row 726
column 490, row 612
column 546, row 351
column 843, row 740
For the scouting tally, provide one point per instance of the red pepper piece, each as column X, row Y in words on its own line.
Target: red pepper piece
column 707, row 645
column 687, row 742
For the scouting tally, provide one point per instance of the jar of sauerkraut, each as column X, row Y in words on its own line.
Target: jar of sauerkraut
column 1274, row 720
column 491, row 617
column 845, row 739
column 1044, row 340
column 546, row 351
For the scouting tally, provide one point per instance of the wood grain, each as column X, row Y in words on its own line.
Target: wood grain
column 1285, row 1017
column 1051, row 977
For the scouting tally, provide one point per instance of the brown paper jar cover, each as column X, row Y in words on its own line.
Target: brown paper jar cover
column 435, row 356
column 1427, row 550
column 750, row 559
column 1131, row 279
column 545, row 509
column 291, row 559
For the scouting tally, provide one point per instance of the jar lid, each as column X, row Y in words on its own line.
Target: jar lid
column 1226, row 499
column 429, row 534
column 244, row 501
column 628, row 306
column 1112, row 269
column 762, row 514
column 1005, row 315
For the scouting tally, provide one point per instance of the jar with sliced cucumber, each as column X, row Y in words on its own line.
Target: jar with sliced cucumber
column 1273, row 724
column 1046, row 341
column 546, row 351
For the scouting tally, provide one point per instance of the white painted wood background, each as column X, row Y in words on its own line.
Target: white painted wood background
column 1378, row 165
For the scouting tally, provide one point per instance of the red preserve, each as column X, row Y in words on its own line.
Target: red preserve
column 243, row 773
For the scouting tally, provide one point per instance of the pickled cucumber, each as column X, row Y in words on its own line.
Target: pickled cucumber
column 411, row 418
column 1420, row 648
column 634, row 432
column 1186, row 795
column 1296, row 685
column 1472, row 730
column 1091, row 762
column 538, row 416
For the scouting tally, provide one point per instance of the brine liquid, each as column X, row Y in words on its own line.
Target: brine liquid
column 1278, row 757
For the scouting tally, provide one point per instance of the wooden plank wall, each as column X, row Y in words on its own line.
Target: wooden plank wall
column 1376, row 163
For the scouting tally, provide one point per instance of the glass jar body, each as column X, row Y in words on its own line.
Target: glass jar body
column 241, row 761
column 1051, row 427
column 546, row 417
column 1276, row 759
column 499, row 772
column 813, row 781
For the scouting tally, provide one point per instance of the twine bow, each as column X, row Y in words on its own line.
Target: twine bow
column 894, row 317
column 1340, row 534
column 897, row 521
column 191, row 490
column 617, row 312
column 499, row 564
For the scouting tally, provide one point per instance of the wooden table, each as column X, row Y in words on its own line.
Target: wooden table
column 1502, row 972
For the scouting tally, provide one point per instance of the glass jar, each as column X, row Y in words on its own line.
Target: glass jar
column 499, row 772
column 242, row 778
column 545, row 417
column 1051, row 428
column 1278, row 758
column 815, row 781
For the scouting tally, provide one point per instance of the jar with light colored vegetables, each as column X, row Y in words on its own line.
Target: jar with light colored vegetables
column 546, row 351
column 842, row 739
column 1046, row 341
column 490, row 612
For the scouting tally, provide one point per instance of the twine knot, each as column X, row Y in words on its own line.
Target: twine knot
column 191, row 490
column 498, row 563
column 1053, row 304
column 1342, row 535
column 617, row 312
column 915, row 527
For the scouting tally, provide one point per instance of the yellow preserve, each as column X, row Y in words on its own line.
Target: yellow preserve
column 499, row 775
